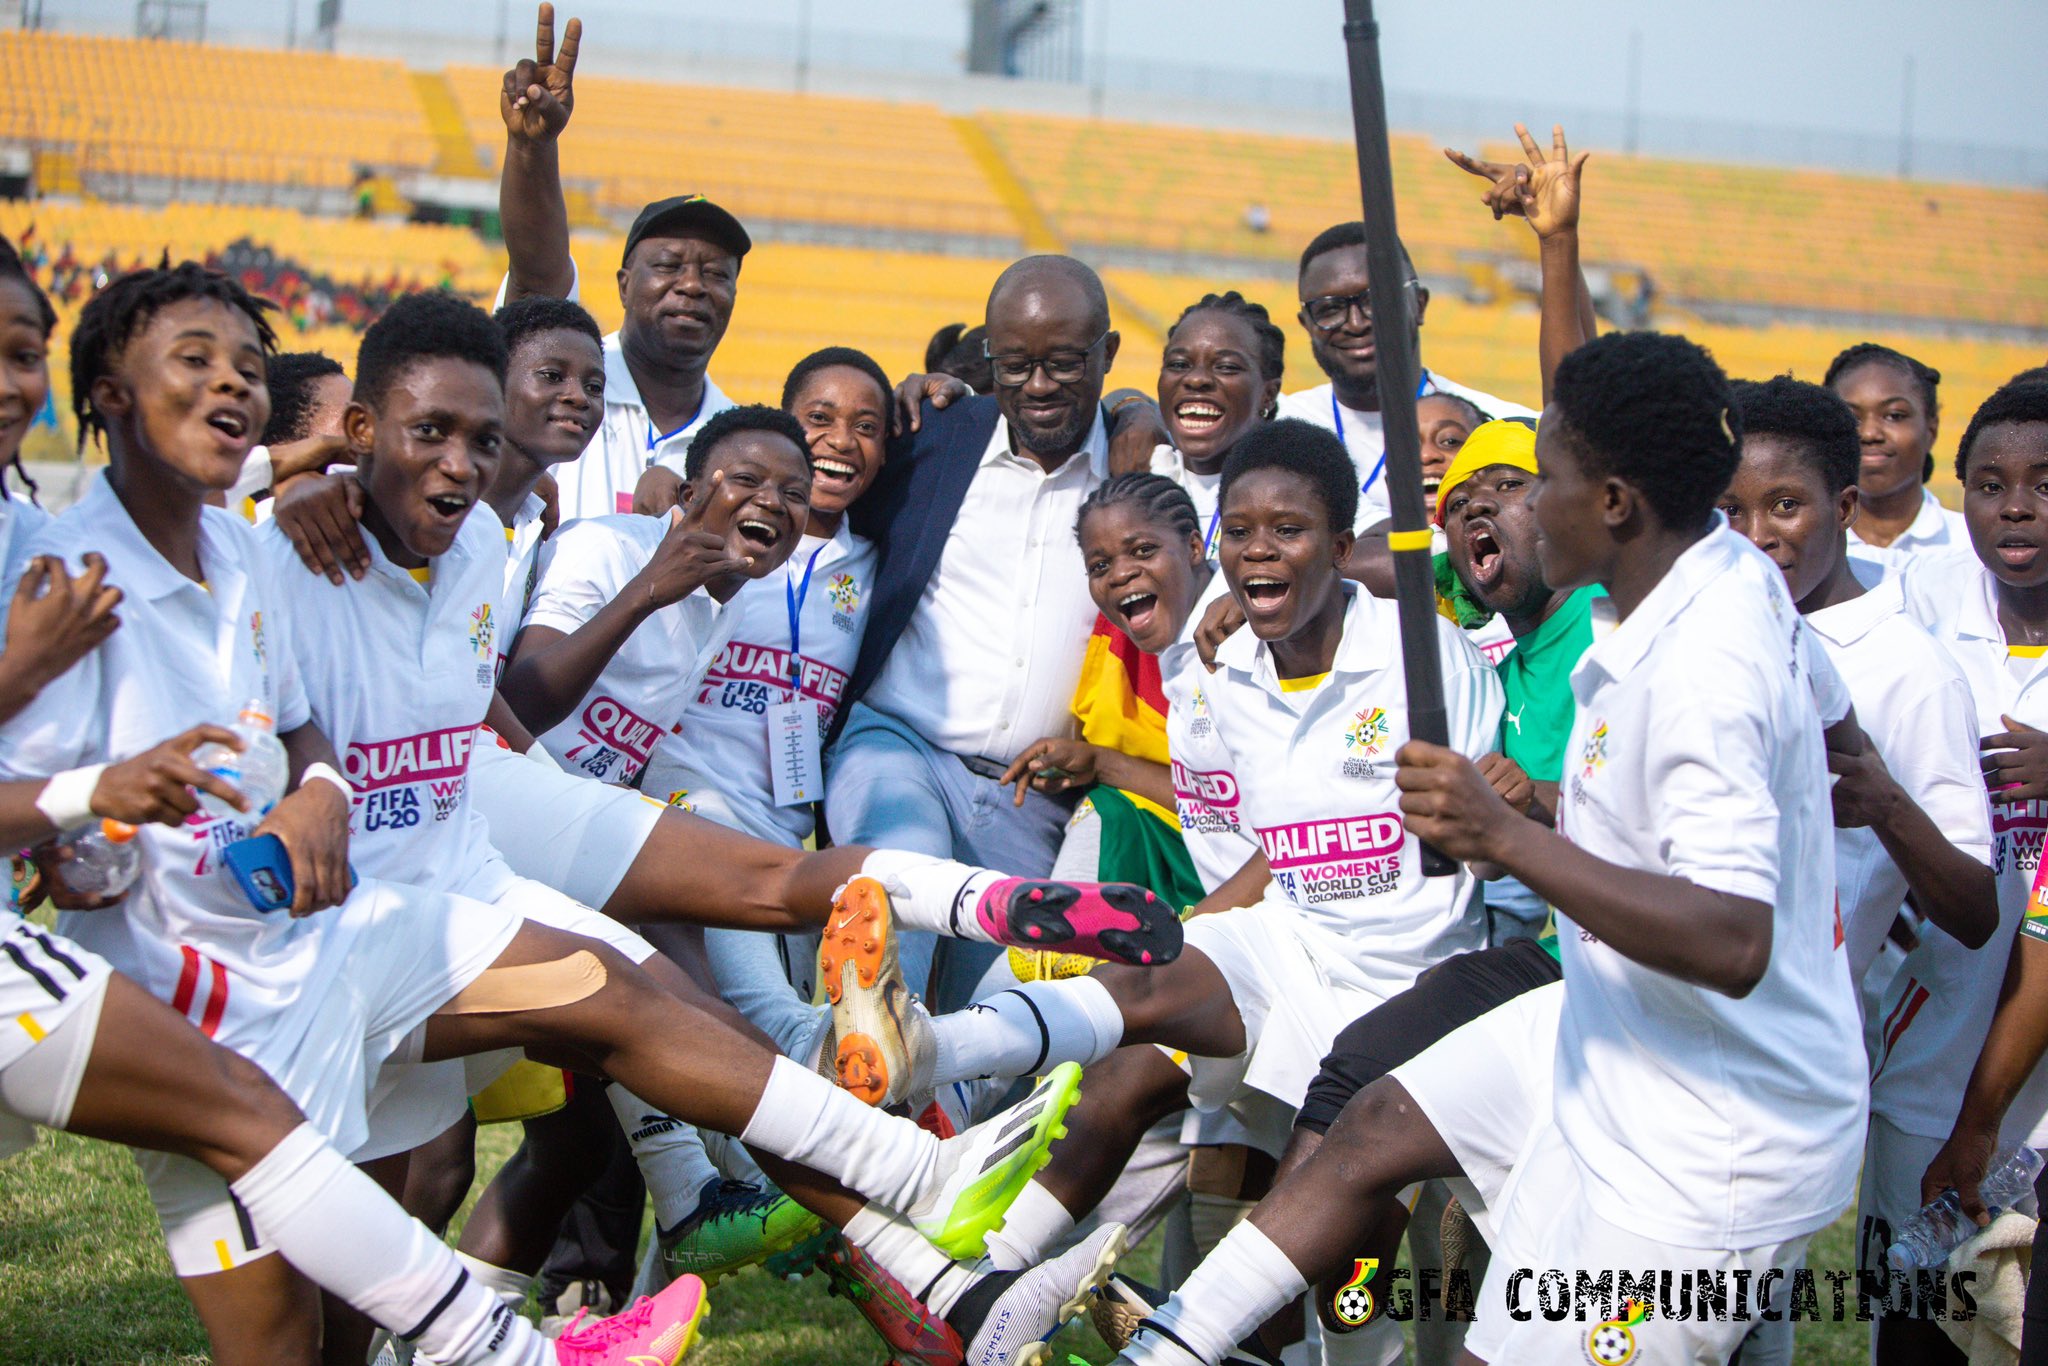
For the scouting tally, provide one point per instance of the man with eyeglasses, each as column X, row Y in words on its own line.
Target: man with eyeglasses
column 1336, row 312
column 980, row 615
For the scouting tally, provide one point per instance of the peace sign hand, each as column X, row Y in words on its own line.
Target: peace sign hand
column 1544, row 189
column 690, row 554
column 538, row 94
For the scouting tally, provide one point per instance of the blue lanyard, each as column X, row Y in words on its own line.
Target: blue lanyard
column 1209, row 537
column 796, row 595
column 654, row 439
column 1337, row 417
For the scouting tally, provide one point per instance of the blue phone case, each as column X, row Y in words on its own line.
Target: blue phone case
column 263, row 868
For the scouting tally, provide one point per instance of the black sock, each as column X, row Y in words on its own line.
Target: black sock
column 971, row 1310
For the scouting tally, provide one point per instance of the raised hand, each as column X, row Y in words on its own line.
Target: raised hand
column 691, row 554
column 539, row 93
column 1543, row 189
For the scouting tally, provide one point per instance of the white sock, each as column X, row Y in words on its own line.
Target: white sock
column 934, row 894
column 732, row 1159
column 1034, row 1226
column 670, row 1153
column 1028, row 1030
column 508, row 1285
column 1240, row 1285
column 1379, row 1343
column 335, row 1225
column 806, row 1119
column 933, row 1278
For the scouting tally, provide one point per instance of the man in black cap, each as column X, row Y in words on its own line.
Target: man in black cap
column 677, row 282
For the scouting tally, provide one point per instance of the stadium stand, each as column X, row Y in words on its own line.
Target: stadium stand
column 124, row 117
column 770, row 156
column 1795, row 240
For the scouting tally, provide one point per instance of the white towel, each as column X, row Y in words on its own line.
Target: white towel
column 1999, row 1258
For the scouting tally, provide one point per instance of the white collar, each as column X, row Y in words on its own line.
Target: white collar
column 1363, row 647
column 1705, row 560
column 1848, row 622
column 621, row 392
column 1095, row 448
column 142, row 570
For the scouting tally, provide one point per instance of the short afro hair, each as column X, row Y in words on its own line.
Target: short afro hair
column 1654, row 410
column 1301, row 448
column 291, row 376
column 2026, row 401
column 1811, row 417
column 826, row 359
column 2033, row 375
column 750, row 417
column 1342, row 235
column 537, row 313
column 433, row 325
column 1272, row 349
column 112, row 318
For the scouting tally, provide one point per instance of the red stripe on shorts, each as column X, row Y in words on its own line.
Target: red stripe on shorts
column 1914, row 999
column 216, row 1001
column 188, row 980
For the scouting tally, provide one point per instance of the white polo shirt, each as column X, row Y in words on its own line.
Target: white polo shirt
column 642, row 692
column 1316, row 774
column 20, row 522
column 522, row 571
column 722, row 744
column 1955, row 598
column 988, row 662
column 1914, row 705
column 1695, row 1118
column 399, row 674
column 184, row 655
column 1204, row 490
column 601, row 481
column 1205, row 789
column 1366, row 439
column 1934, row 529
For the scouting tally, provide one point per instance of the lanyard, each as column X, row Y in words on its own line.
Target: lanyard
column 796, row 593
column 1209, row 536
column 1337, row 418
column 655, row 439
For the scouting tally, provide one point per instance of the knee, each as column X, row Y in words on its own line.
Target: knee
column 1365, row 1149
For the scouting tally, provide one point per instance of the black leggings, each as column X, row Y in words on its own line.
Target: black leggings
column 1455, row 992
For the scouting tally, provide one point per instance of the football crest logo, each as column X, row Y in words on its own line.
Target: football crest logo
column 482, row 629
column 1594, row 756
column 1353, row 1302
column 1613, row 1343
column 1368, row 732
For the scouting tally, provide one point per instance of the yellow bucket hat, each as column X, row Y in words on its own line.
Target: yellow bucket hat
column 1491, row 443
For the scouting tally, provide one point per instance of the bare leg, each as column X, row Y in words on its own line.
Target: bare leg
column 1184, row 1004
column 696, row 871
column 440, row 1175
column 1127, row 1093
column 517, row 1216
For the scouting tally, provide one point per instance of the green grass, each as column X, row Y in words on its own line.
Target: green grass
column 83, row 1278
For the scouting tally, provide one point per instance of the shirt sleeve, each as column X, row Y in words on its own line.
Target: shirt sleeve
column 1472, row 694
column 254, row 478
column 1708, row 780
column 579, row 574
column 1932, row 752
column 1830, row 693
column 64, row 727
column 575, row 294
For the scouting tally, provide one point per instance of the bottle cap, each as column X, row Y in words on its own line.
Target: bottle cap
column 120, row 832
column 257, row 713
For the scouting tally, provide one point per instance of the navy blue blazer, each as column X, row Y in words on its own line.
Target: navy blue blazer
column 908, row 513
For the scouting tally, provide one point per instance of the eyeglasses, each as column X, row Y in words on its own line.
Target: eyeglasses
column 1328, row 312
column 1061, row 367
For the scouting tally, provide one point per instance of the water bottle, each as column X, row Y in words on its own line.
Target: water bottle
column 105, row 859
column 1923, row 1242
column 258, row 770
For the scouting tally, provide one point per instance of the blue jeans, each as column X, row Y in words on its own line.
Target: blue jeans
column 887, row 787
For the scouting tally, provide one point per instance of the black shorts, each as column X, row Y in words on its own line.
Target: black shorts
column 1453, row 993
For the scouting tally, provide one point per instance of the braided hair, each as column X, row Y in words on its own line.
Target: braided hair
column 112, row 318
column 1160, row 500
column 1926, row 377
column 12, row 267
column 1272, row 341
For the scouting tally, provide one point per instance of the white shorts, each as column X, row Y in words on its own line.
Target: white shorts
column 1295, row 986
column 404, row 953
column 51, row 991
column 577, row 835
column 413, row 1102
column 1486, row 1089
column 1549, row 1233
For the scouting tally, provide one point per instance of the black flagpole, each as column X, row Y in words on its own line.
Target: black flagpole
column 1400, row 373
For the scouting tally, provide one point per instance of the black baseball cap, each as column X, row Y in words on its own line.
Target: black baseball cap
column 692, row 215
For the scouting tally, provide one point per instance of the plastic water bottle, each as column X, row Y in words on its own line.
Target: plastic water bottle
column 105, row 859
column 257, row 770
column 1923, row 1242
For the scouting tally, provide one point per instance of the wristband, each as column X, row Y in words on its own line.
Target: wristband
column 324, row 772
column 67, row 798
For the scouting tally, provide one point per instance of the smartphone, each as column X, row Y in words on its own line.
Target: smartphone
column 263, row 868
